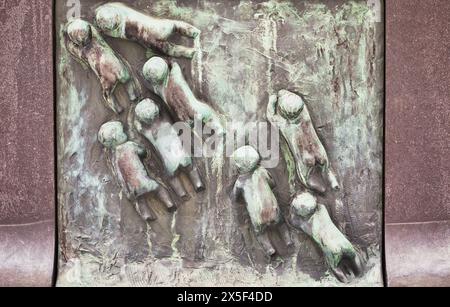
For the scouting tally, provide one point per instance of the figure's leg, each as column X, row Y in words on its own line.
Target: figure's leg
column 145, row 211
column 165, row 198
column 315, row 181
column 176, row 51
column 186, row 29
column 264, row 240
column 332, row 179
column 285, row 234
column 196, row 181
column 132, row 90
column 178, row 187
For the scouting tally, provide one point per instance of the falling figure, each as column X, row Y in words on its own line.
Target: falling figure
column 313, row 219
column 288, row 112
column 120, row 21
column 254, row 187
column 87, row 46
column 130, row 171
column 159, row 131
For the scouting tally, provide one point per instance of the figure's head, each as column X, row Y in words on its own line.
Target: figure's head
column 290, row 104
column 108, row 18
column 155, row 70
column 304, row 204
column 112, row 134
column 147, row 111
column 246, row 159
column 79, row 32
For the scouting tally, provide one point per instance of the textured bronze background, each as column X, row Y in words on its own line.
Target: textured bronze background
column 332, row 52
column 417, row 143
column 27, row 217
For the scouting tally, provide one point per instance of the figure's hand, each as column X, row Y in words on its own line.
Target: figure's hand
column 271, row 108
column 186, row 29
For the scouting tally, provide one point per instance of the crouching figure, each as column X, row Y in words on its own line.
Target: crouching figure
column 130, row 170
column 157, row 128
column 254, row 187
column 313, row 219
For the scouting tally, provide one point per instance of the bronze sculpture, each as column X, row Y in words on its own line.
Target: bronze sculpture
column 168, row 82
column 129, row 169
column 313, row 219
column 120, row 21
column 158, row 130
column 288, row 112
column 254, row 187
column 86, row 45
column 205, row 231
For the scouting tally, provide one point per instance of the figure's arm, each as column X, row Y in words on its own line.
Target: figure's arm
column 237, row 193
column 75, row 51
column 270, row 179
column 120, row 180
column 320, row 153
column 186, row 29
column 271, row 113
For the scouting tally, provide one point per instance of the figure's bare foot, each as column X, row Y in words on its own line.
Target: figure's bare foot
column 196, row 180
column 145, row 211
column 267, row 246
column 285, row 235
column 165, row 198
column 179, row 189
column 348, row 268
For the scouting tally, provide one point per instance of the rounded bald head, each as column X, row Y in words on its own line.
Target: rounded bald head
column 156, row 70
column 108, row 18
column 304, row 204
column 79, row 32
column 112, row 134
column 147, row 111
column 290, row 104
column 246, row 159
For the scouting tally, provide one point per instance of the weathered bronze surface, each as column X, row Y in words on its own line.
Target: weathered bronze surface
column 327, row 56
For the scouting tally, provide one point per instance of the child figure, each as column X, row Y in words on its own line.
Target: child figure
column 313, row 219
column 158, row 130
column 170, row 84
column 88, row 47
column 254, row 186
column 290, row 115
column 120, row 21
column 129, row 169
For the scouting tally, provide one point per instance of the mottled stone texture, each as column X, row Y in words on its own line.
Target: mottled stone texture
column 27, row 192
column 331, row 52
column 417, row 143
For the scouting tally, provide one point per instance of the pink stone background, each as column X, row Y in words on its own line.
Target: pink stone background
column 27, row 164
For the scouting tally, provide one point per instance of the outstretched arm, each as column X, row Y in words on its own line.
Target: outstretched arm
column 186, row 29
